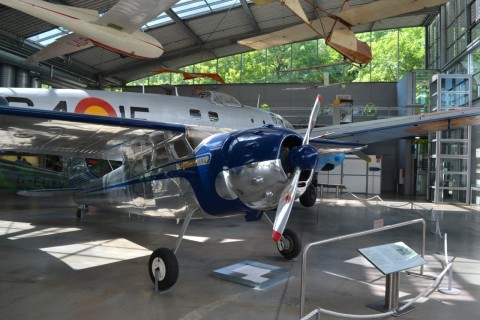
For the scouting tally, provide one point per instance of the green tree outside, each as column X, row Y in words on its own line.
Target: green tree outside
column 395, row 53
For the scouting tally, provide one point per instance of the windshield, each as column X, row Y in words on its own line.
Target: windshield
column 219, row 98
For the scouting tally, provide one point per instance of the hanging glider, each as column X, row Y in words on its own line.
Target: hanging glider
column 335, row 27
column 191, row 75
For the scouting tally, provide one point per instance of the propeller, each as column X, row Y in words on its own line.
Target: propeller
column 300, row 158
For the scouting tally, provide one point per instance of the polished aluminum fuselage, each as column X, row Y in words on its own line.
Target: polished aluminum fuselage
column 212, row 168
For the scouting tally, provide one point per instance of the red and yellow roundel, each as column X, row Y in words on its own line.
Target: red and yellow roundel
column 95, row 106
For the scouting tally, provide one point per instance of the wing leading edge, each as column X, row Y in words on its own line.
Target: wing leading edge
column 367, row 132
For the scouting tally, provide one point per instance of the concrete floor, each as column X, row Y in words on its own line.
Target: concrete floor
column 56, row 267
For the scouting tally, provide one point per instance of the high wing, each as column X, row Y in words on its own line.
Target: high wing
column 72, row 134
column 288, row 35
column 367, row 132
column 321, row 28
column 382, row 9
column 128, row 16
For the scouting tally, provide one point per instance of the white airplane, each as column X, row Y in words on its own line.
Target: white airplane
column 335, row 27
column 192, row 158
column 116, row 30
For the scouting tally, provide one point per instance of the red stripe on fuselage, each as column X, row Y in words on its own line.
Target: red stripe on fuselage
column 102, row 45
column 154, row 45
column 60, row 13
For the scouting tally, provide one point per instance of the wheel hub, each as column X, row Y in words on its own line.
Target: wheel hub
column 158, row 264
column 283, row 244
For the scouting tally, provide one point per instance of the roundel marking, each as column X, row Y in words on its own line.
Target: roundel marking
column 95, row 106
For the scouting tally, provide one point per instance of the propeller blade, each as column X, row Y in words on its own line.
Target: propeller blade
column 285, row 206
column 302, row 160
column 313, row 119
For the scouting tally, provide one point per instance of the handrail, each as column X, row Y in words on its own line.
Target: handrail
column 349, row 236
column 424, row 293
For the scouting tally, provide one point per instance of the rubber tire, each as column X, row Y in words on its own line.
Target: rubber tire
column 309, row 197
column 290, row 245
column 166, row 261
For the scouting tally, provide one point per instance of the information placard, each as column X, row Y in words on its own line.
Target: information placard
column 392, row 257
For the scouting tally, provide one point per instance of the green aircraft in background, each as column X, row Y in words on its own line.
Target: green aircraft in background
column 19, row 176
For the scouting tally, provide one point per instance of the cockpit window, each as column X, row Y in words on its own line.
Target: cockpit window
column 219, row 98
column 278, row 120
column 3, row 101
column 225, row 99
column 181, row 149
column 274, row 118
column 288, row 124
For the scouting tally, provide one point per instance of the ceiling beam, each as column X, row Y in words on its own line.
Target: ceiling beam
column 186, row 28
column 250, row 16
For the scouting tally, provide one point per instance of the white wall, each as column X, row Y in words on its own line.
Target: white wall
column 357, row 175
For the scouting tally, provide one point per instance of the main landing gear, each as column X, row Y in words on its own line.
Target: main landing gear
column 163, row 268
column 163, row 264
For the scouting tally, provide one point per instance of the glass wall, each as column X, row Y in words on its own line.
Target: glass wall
column 449, row 156
column 433, row 44
column 461, row 51
column 395, row 53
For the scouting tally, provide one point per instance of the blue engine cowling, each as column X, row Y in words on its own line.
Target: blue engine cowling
column 258, row 164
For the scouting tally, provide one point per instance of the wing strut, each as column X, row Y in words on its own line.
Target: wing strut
column 185, row 224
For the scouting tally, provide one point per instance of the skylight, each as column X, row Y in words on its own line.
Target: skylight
column 190, row 8
column 158, row 21
column 184, row 9
column 49, row 36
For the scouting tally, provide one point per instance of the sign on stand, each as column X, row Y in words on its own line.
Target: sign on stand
column 390, row 259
